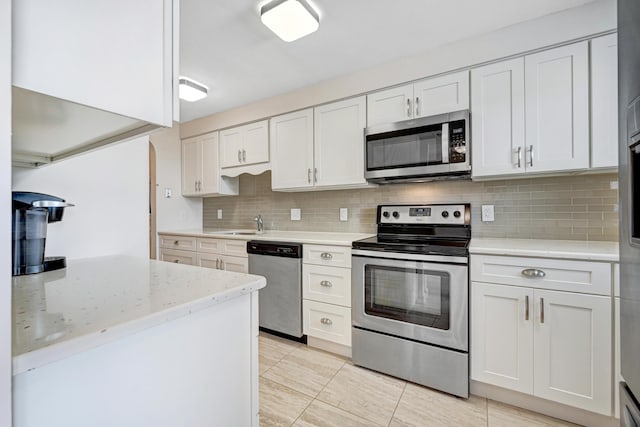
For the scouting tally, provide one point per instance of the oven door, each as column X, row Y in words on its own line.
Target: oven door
column 419, row 299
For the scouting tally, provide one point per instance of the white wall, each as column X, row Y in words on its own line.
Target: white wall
column 177, row 212
column 111, row 192
column 5, row 213
column 596, row 17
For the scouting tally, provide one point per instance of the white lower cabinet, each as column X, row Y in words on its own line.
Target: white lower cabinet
column 326, row 293
column 551, row 344
column 209, row 252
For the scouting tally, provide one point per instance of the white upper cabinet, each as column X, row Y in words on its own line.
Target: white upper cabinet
column 320, row 148
column 497, row 125
column 243, row 147
column 557, row 109
column 291, row 137
column 427, row 97
column 531, row 114
column 604, row 102
column 201, row 171
column 339, row 143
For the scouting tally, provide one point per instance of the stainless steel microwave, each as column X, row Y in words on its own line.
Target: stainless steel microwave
column 424, row 149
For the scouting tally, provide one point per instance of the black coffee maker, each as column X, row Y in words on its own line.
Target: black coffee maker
column 31, row 214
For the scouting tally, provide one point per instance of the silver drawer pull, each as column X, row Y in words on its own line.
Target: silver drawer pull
column 177, row 261
column 175, row 242
column 326, row 321
column 326, row 283
column 326, row 255
column 533, row 272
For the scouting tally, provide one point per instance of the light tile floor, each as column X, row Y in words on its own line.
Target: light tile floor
column 304, row 387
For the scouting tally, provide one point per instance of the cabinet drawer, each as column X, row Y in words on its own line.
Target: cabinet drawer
column 178, row 256
column 562, row 275
column 184, row 243
column 327, row 284
column 326, row 321
column 334, row 256
column 224, row 262
column 231, row 247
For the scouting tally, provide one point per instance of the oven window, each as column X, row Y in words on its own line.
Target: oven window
column 409, row 295
column 397, row 151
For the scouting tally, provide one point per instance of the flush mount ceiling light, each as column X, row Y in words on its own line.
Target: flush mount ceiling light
column 190, row 90
column 290, row 19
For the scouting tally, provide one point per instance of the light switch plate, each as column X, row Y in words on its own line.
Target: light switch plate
column 219, row 213
column 167, row 193
column 344, row 214
column 488, row 213
column 296, row 214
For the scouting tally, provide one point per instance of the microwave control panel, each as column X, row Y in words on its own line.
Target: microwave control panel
column 457, row 142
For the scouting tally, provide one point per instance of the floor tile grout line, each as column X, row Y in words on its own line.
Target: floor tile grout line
column 404, row 388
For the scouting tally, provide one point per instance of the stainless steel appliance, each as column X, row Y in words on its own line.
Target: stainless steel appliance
column 280, row 302
column 31, row 212
column 629, row 176
column 410, row 287
column 424, row 149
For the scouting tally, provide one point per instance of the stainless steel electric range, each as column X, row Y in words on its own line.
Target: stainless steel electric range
column 410, row 287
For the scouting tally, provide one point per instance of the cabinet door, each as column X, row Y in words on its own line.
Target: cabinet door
column 502, row 336
column 557, row 109
column 339, row 143
column 256, row 143
column 191, row 166
column 572, row 342
column 210, row 182
column 231, row 147
column 292, row 150
column 442, row 94
column 497, row 107
column 391, row 105
column 234, row 263
column 604, row 101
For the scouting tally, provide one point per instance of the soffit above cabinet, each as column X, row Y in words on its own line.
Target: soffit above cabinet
column 48, row 129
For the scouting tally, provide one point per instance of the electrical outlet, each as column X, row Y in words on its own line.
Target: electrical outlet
column 219, row 213
column 344, row 214
column 296, row 214
column 488, row 213
column 167, row 193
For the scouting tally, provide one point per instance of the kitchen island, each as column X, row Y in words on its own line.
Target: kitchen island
column 127, row 341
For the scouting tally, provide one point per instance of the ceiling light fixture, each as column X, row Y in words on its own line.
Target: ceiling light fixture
column 290, row 19
column 191, row 90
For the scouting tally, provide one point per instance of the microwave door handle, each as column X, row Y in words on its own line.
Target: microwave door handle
column 445, row 143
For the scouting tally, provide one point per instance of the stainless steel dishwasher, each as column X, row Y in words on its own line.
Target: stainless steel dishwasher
column 280, row 301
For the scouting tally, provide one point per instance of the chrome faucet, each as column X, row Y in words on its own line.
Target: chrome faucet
column 258, row 220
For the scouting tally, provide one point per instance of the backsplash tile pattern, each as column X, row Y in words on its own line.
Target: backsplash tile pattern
column 580, row 207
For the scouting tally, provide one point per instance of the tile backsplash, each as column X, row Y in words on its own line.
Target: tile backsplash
column 577, row 207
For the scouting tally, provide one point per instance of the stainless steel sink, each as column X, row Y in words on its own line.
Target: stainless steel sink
column 234, row 232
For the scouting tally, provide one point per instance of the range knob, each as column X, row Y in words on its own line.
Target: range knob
column 396, row 214
column 385, row 214
column 457, row 214
column 445, row 214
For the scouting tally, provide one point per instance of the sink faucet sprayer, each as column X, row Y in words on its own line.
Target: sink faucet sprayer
column 258, row 220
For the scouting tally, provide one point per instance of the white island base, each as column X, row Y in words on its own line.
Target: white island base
column 196, row 369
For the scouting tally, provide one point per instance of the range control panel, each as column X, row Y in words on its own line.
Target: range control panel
column 424, row 214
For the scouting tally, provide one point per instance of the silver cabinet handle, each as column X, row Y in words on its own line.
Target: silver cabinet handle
column 177, row 261
column 326, row 284
column 315, row 175
column 244, row 155
column 531, row 155
column 309, row 175
column 199, row 185
column 223, row 266
column 520, row 157
column 541, row 310
column 195, row 186
column 326, row 321
column 239, row 156
column 175, row 242
column 217, row 264
column 326, row 255
column 417, row 106
column 533, row 273
column 408, row 107
column 526, row 307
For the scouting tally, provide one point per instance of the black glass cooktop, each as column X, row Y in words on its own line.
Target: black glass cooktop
column 415, row 245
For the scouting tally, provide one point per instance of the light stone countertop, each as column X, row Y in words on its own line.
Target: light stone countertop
column 564, row 249
column 308, row 237
column 98, row 300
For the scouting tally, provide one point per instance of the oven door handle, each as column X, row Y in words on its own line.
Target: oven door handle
column 410, row 257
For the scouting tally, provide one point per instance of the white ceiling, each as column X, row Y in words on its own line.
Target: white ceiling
column 224, row 45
